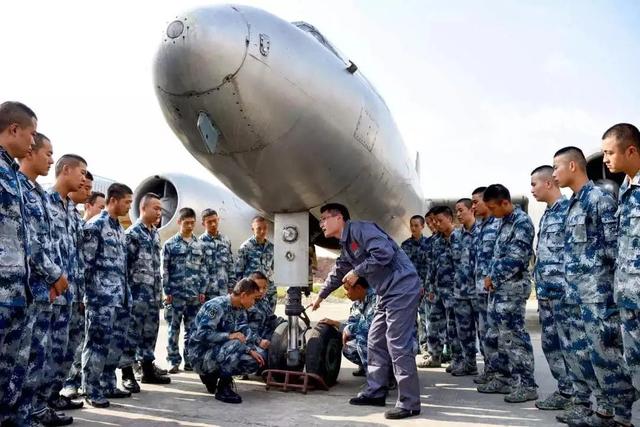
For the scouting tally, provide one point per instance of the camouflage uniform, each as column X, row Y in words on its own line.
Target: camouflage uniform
column 485, row 235
column 65, row 231
column 107, row 299
column 145, row 282
column 209, row 349
column 627, row 276
column 507, row 304
column 253, row 256
column 357, row 327
column 184, row 278
column 218, row 261
column 590, row 253
column 464, row 292
column 73, row 358
column 417, row 251
column 550, row 284
column 262, row 323
column 441, row 315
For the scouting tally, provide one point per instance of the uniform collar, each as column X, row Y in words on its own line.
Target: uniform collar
column 29, row 184
column 10, row 160
column 345, row 233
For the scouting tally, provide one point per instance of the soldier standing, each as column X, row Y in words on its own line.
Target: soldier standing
column 621, row 148
column 548, row 276
column 145, row 282
column 107, row 298
column 256, row 254
column 218, row 257
column 184, row 281
column 590, row 254
column 509, row 285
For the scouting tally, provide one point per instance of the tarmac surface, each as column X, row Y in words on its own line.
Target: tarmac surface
column 446, row 400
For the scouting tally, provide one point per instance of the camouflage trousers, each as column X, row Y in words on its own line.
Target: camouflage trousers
column 181, row 313
column 143, row 333
column 229, row 359
column 106, row 329
column 442, row 323
column 40, row 324
column 73, row 359
column 272, row 296
column 480, row 307
column 15, row 347
column 596, row 343
column 551, row 318
column 423, row 319
column 55, row 372
column 508, row 349
column 466, row 320
column 631, row 341
column 355, row 351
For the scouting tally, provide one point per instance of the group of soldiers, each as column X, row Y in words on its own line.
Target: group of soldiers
column 81, row 297
column 586, row 273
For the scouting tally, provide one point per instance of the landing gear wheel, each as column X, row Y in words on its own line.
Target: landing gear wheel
column 277, row 355
column 324, row 353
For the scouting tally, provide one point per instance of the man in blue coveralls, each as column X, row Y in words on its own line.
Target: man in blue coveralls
column 367, row 251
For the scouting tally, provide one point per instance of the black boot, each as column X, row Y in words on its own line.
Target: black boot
column 129, row 380
column 225, row 391
column 151, row 376
column 210, row 381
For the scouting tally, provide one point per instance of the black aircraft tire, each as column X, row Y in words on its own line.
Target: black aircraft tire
column 277, row 355
column 324, row 353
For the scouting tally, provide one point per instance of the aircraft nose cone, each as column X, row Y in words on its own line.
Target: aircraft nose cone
column 200, row 50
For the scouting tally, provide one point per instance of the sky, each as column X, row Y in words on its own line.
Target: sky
column 485, row 91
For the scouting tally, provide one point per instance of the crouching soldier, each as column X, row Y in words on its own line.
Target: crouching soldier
column 218, row 346
column 262, row 321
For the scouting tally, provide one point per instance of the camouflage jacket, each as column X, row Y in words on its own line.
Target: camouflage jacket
column 417, row 251
column 253, row 256
column 215, row 321
column 590, row 246
column 143, row 263
column 14, row 237
column 441, row 272
column 509, row 268
column 485, row 241
column 626, row 283
column 183, row 272
column 44, row 261
column 262, row 321
column 361, row 316
column 105, row 256
column 549, row 269
column 463, row 252
column 218, row 262
column 67, row 236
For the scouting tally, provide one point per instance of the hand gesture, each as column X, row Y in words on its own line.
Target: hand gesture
column 257, row 357
column 238, row 336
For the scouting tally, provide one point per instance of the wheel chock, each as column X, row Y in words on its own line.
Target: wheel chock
column 293, row 380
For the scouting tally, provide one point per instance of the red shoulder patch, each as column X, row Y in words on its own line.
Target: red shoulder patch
column 354, row 246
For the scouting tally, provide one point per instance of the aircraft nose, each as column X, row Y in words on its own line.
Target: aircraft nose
column 200, row 50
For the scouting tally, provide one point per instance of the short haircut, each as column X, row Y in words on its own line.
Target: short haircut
column 544, row 170
column 479, row 190
column 88, row 176
column 207, row 213
column 445, row 210
column 71, row 160
column 496, row 192
column 430, row 212
column 336, row 208
column 362, row 282
column 186, row 213
column 624, row 133
column 15, row 112
column 418, row 217
column 38, row 141
column 574, row 154
column 148, row 197
column 258, row 218
column 258, row 275
column 94, row 196
column 465, row 201
column 247, row 286
column 118, row 191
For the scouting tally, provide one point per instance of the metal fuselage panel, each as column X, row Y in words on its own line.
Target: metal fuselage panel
column 297, row 129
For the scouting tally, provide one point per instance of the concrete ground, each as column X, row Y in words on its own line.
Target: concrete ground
column 446, row 400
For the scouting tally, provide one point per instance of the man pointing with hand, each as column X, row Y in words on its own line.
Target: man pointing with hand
column 368, row 252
